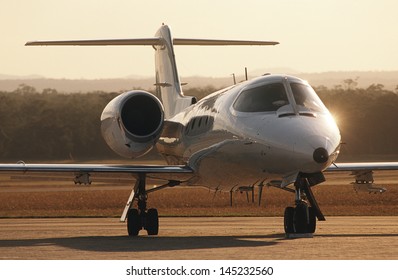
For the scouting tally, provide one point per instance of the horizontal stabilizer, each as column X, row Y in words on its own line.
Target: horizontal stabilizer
column 150, row 42
column 216, row 42
column 100, row 42
column 168, row 85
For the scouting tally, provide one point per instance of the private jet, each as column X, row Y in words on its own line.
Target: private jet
column 271, row 130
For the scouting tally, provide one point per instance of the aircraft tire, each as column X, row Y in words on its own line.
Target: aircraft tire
column 301, row 224
column 289, row 220
column 152, row 222
column 133, row 222
column 312, row 219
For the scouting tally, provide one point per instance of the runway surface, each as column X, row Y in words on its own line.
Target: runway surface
column 198, row 238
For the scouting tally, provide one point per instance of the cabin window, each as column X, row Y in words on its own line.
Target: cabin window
column 266, row 98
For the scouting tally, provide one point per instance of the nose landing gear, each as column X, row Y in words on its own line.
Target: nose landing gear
column 302, row 217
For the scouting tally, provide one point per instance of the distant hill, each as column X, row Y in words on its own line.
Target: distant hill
column 329, row 79
column 107, row 85
column 14, row 77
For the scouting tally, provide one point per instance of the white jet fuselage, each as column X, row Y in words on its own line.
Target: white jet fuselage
column 269, row 128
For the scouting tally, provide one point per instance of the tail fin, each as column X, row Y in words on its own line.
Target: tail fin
column 168, row 85
column 167, row 80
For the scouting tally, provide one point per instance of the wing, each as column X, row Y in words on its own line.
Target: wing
column 363, row 172
column 360, row 166
column 82, row 172
column 95, row 168
column 174, row 175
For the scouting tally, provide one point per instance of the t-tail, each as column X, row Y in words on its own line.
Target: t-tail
column 168, row 85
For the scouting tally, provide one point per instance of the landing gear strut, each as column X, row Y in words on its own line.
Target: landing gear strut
column 141, row 218
column 302, row 217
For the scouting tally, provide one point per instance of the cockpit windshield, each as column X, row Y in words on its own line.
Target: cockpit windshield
column 306, row 98
column 266, row 98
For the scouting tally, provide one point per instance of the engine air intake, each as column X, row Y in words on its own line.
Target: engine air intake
column 141, row 115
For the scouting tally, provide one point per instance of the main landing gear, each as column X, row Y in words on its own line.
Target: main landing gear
column 137, row 220
column 302, row 217
column 142, row 218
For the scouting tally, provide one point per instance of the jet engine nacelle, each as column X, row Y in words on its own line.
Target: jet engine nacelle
column 132, row 123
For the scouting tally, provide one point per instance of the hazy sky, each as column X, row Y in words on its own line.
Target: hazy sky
column 315, row 35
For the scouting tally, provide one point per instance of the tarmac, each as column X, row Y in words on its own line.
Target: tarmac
column 198, row 238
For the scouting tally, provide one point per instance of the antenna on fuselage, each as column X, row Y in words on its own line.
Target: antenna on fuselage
column 234, row 78
column 246, row 73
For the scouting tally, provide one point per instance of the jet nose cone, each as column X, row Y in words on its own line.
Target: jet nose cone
column 320, row 155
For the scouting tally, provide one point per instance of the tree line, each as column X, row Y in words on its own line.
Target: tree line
column 48, row 125
column 367, row 118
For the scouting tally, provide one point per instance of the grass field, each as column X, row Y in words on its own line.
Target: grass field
column 185, row 201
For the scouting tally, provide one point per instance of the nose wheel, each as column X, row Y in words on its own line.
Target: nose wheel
column 299, row 219
column 302, row 218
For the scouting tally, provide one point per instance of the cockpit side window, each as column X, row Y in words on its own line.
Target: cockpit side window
column 306, row 98
column 266, row 98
